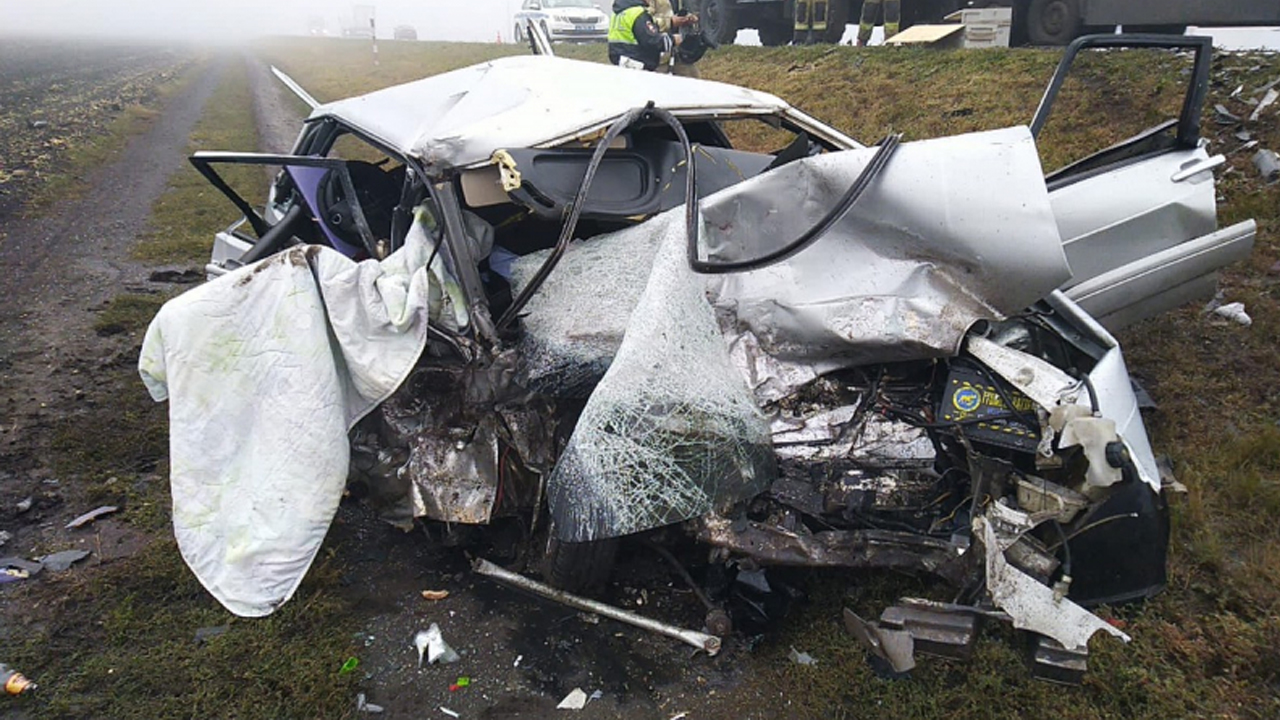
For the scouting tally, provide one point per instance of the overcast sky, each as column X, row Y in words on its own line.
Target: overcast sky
column 473, row 20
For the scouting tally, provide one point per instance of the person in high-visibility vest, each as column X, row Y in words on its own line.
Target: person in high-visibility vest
column 892, row 19
column 635, row 41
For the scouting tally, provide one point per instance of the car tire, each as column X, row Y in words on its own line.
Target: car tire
column 581, row 568
column 719, row 19
column 1053, row 22
column 775, row 32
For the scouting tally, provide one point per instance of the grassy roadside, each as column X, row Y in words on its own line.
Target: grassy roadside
column 185, row 217
column 119, row 643
column 67, row 182
column 119, row 640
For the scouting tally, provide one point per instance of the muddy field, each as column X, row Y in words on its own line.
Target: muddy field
column 116, row 635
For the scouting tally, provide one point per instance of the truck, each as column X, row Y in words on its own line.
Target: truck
column 1038, row 22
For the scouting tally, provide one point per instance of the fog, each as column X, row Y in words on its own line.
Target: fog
column 234, row 20
column 229, row 20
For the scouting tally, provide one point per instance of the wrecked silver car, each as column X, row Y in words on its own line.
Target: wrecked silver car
column 516, row 298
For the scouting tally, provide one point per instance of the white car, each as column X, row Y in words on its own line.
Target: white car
column 891, row 356
column 562, row 20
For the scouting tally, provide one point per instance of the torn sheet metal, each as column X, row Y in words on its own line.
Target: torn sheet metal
column 266, row 369
column 671, row 432
column 1033, row 606
column 894, row 646
column 926, row 252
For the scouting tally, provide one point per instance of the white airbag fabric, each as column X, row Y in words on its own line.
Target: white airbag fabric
column 266, row 369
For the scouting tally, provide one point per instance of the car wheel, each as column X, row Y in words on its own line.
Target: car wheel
column 1053, row 22
column 719, row 19
column 581, row 568
column 775, row 32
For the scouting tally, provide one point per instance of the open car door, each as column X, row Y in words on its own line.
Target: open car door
column 1138, row 219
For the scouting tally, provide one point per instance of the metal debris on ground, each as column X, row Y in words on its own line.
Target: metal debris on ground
column 1268, row 164
column 434, row 595
column 25, row 504
column 205, row 634
column 1263, row 104
column 702, row 641
column 801, row 658
column 1225, row 116
column 575, row 700
column 1235, row 312
column 363, row 705
column 92, row 515
column 59, row 561
column 895, row 648
column 15, row 683
column 431, row 643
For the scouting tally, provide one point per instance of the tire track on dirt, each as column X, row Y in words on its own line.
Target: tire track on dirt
column 56, row 269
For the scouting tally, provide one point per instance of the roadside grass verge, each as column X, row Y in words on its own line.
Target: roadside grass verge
column 66, row 181
column 118, row 639
column 186, row 216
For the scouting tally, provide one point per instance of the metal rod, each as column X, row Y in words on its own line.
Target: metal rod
column 702, row 641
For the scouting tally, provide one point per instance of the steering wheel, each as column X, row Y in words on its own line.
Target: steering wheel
column 377, row 191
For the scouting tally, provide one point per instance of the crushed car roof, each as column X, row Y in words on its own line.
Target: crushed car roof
column 460, row 117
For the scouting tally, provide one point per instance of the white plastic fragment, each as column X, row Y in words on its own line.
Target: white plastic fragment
column 431, row 643
column 24, row 504
column 801, row 658
column 362, row 705
column 1266, row 101
column 596, row 695
column 575, row 700
column 1234, row 311
column 92, row 515
column 1033, row 606
column 516, row 664
column 448, row 712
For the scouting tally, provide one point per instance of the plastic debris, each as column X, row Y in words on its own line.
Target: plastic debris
column 25, row 504
column 60, row 561
column 434, row 595
column 516, row 664
column 1234, row 311
column 462, row 681
column 431, row 643
column 596, row 695
column 575, row 700
column 15, row 683
column 92, row 515
column 448, row 712
column 801, row 658
column 680, row 716
column 349, row 666
column 1268, row 164
column 1263, row 104
column 362, row 705
column 205, row 634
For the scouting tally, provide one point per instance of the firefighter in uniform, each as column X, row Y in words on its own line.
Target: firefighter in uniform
column 635, row 41
column 892, row 19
